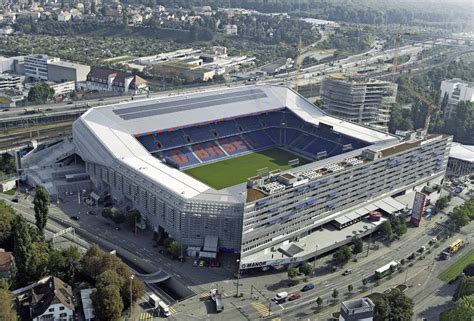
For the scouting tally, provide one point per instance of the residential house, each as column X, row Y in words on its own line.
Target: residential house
column 48, row 299
column 64, row 16
column 103, row 79
column 7, row 264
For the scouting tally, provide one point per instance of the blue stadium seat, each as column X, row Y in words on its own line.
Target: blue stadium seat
column 208, row 151
column 200, row 134
column 275, row 134
column 225, row 128
column 249, row 123
column 258, row 140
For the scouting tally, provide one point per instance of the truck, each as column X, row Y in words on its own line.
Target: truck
column 453, row 248
column 216, row 296
column 158, row 304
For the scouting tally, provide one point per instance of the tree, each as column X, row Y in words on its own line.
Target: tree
column 174, row 248
column 64, row 263
column 306, row 268
column 358, row 245
column 401, row 306
column 292, row 273
column 469, row 270
column 460, row 217
column 342, row 255
column 109, row 277
column 335, row 293
column 41, row 203
column 399, row 225
column 107, row 303
column 462, row 311
column 138, row 289
column 465, row 288
column 386, row 228
column 39, row 262
column 7, row 217
column 319, row 301
column 350, row 288
column 22, row 246
column 382, row 309
column 6, row 311
column 442, row 203
column 40, row 93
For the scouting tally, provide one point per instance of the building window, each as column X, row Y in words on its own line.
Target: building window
column 51, row 310
column 61, row 308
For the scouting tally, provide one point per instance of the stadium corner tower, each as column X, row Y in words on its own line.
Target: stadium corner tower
column 257, row 167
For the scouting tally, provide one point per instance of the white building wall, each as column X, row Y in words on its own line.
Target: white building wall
column 56, row 312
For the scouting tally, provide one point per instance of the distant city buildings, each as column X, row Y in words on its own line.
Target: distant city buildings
column 357, row 310
column 8, row 81
column 362, row 101
column 457, row 91
column 102, row 79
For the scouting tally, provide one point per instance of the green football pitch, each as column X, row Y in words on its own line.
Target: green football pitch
column 236, row 170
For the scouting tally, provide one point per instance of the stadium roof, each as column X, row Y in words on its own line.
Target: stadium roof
column 462, row 152
column 107, row 132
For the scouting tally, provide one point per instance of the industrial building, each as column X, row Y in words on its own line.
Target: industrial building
column 359, row 100
column 63, row 71
column 36, row 66
column 141, row 154
column 357, row 310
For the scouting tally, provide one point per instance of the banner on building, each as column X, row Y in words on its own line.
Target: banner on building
column 418, row 208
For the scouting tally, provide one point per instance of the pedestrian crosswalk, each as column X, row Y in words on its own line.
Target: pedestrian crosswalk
column 146, row 316
column 172, row 310
column 261, row 308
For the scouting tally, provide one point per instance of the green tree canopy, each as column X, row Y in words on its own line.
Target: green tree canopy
column 306, row 268
column 6, row 311
column 358, row 245
column 40, row 93
column 107, row 303
column 386, row 228
column 462, row 311
column 41, row 203
column 342, row 255
column 174, row 248
column 292, row 273
column 22, row 246
column 7, row 217
column 335, row 293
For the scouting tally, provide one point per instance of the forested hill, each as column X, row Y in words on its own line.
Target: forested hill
column 357, row 11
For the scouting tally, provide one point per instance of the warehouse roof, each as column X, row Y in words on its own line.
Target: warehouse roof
column 462, row 152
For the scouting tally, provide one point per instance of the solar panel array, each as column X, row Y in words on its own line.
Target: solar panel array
column 188, row 104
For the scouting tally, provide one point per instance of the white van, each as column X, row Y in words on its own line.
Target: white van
column 280, row 297
column 164, row 309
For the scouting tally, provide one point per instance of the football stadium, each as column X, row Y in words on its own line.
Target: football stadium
column 256, row 170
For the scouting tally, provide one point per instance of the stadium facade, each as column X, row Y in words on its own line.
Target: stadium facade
column 139, row 151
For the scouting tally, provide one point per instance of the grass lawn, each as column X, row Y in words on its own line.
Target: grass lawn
column 456, row 268
column 10, row 192
column 236, row 170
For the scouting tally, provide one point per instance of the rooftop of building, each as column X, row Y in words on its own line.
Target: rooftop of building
column 34, row 300
column 358, row 303
column 462, row 152
column 114, row 127
column 68, row 64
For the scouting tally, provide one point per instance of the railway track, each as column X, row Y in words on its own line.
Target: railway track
column 17, row 140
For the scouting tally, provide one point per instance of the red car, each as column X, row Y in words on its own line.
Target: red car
column 294, row 296
column 215, row 264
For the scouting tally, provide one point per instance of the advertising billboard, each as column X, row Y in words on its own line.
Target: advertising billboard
column 418, row 208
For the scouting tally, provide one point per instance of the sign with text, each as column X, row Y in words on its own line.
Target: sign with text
column 418, row 208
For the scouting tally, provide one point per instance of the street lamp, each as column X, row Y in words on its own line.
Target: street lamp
column 131, row 304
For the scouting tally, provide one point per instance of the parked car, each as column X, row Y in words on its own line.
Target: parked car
column 75, row 218
column 347, row 272
column 15, row 200
column 308, row 287
column 294, row 296
column 215, row 263
column 195, row 263
column 201, row 263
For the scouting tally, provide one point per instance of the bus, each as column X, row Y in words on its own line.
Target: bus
column 385, row 270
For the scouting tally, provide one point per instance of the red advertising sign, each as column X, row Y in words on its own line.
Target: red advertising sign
column 418, row 208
